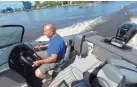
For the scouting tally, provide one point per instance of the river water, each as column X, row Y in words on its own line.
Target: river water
column 68, row 20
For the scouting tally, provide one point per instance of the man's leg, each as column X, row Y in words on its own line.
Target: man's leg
column 39, row 74
column 42, row 71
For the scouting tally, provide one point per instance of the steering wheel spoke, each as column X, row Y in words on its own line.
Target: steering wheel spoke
column 28, row 58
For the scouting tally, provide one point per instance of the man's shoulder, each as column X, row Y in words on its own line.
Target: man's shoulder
column 59, row 38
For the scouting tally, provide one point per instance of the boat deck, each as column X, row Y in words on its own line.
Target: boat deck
column 74, row 72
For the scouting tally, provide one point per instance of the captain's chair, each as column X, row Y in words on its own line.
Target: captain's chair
column 128, row 69
column 64, row 61
column 105, row 76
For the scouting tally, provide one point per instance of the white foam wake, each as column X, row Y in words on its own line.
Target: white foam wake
column 133, row 19
column 133, row 41
column 88, row 26
column 78, row 28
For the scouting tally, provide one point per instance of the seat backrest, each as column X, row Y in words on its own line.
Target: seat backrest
column 128, row 69
column 78, row 40
column 68, row 50
column 110, row 76
column 63, row 61
column 80, row 46
column 84, row 49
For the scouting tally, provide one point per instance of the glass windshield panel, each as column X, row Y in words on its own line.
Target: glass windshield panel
column 10, row 35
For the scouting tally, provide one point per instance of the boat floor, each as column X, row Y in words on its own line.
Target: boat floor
column 74, row 72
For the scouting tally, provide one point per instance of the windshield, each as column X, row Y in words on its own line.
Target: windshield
column 10, row 34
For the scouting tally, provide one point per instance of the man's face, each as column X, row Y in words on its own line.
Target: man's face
column 48, row 32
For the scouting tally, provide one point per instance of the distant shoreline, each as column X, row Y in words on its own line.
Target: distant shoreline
column 67, row 5
column 82, row 5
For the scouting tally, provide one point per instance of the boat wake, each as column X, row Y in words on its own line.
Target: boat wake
column 77, row 28
column 87, row 26
column 133, row 41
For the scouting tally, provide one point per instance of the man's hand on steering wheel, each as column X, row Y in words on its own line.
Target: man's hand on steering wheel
column 41, row 46
column 36, row 63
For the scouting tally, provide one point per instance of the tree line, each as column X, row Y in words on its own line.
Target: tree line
column 39, row 4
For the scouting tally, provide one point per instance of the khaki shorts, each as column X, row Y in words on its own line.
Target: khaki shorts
column 44, row 68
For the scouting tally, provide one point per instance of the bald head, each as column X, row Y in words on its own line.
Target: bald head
column 49, row 30
column 49, row 27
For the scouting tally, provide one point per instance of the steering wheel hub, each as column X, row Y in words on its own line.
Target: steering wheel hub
column 28, row 58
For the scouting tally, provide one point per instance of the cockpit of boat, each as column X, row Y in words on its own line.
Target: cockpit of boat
column 90, row 61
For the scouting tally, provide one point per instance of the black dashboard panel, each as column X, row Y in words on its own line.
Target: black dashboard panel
column 13, row 72
column 14, row 57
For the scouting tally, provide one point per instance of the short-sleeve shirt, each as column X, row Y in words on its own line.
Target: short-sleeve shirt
column 56, row 46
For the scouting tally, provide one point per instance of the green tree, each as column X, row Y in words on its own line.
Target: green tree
column 65, row 2
column 50, row 3
column 37, row 3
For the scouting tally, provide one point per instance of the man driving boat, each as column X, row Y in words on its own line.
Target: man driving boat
column 55, row 52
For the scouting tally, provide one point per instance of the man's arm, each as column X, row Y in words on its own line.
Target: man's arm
column 50, row 59
column 43, row 46
column 46, row 60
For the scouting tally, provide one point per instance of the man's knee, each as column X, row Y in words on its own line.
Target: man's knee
column 39, row 74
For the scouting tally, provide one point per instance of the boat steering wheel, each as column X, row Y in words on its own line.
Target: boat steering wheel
column 28, row 58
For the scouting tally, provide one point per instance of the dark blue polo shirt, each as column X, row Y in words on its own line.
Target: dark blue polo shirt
column 56, row 46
